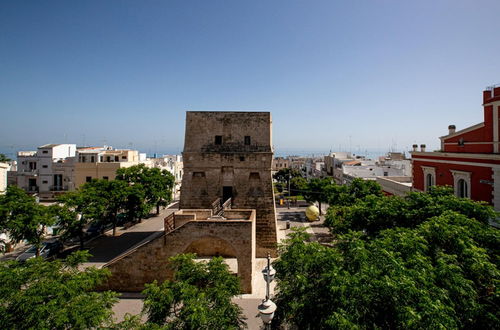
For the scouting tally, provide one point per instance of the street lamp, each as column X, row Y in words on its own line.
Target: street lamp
column 267, row 307
column 289, row 192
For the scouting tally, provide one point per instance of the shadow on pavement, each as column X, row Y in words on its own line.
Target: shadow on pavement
column 105, row 248
column 292, row 216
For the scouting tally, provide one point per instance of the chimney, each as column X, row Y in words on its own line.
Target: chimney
column 415, row 146
column 422, row 147
column 451, row 129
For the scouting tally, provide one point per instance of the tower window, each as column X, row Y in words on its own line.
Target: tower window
column 218, row 139
column 247, row 140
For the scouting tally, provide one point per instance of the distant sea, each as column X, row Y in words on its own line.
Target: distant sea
column 279, row 152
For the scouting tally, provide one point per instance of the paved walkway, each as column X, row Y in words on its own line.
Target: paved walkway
column 107, row 247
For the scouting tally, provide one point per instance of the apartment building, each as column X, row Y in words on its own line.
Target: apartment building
column 101, row 163
column 4, row 168
column 42, row 171
column 173, row 164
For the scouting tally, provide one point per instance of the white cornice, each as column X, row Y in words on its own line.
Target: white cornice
column 462, row 131
column 456, row 155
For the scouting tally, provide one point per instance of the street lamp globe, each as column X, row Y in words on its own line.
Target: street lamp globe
column 269, row 273
column 266, row 311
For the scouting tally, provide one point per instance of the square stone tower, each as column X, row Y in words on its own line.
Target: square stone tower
column 228, row 155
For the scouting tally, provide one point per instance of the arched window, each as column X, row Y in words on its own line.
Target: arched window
column 429, row 177
column 462, row 190
column 429, row 181
column 461, row 183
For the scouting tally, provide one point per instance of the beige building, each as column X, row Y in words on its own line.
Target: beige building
column 280, row 163
column 228, row 155
column 4, row 168
column 101, row 163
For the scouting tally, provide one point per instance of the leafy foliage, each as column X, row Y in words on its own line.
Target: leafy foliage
column 40, row 294
column 437, row 275
column 23, row 218
column 4, row 159
column 318, row 190
column 285, row 174
column 198, row 298
column 157, row 184
column 422, row 261
column 358, row 189
column 375, row 213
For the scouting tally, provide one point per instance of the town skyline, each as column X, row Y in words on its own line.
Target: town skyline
column 340, row 77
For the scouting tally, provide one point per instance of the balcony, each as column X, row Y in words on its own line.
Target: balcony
column 25, row 171
column 58, row 188
column 31, row 189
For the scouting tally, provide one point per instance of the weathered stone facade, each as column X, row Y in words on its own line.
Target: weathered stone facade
column 229, row 155
column 207, row 238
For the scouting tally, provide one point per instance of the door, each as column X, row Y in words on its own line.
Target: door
column 227, row 192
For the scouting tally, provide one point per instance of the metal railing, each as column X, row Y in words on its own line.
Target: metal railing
column 216, row 206
column 169, row 223
column 31, row 188
column 58, row 188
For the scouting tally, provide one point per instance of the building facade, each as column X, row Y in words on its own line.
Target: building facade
column 173, row 164
column 228, row 155
column 469, row 159
column 4, row 168
column 42, row 172
column 101, row 163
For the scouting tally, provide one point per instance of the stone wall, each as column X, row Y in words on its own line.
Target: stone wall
column 209, row 166
column 149, row 261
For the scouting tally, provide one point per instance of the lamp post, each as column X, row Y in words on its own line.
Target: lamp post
column 267, row 307
column 289, row 192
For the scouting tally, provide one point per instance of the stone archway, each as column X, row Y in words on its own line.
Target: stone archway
column 149, row 261
column 211, row 246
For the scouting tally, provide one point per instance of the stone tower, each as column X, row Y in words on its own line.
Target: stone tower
column 228, row 155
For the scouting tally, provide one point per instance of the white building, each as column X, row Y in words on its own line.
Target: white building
column 47, row 170
column 173, row 164
column 4, row 168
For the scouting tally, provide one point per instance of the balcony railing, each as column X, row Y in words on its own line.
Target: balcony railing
column 58, row 188
column 31, row 189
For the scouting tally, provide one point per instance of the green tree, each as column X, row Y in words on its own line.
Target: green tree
column 23, row 218
column 350, row 193
column 4, row 159
column 439, row 274
column 79, row 209
column 40, row 294
column 286, row 174
column 135, row 207
column 157, row 184
column 199, row 297
column 375, row 213
column 317, row 190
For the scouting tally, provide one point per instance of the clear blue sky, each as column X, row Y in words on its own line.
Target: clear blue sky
column 370, row 74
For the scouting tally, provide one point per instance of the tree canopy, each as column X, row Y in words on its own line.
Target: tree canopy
column 423, row 261
column 199, row 297
column 42, row 294
column 23, row 218
column 157, row 184
column 4, row 159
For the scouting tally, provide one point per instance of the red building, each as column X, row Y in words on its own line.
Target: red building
column 469, row 159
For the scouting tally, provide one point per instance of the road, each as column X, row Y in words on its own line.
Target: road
column 107, row 247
